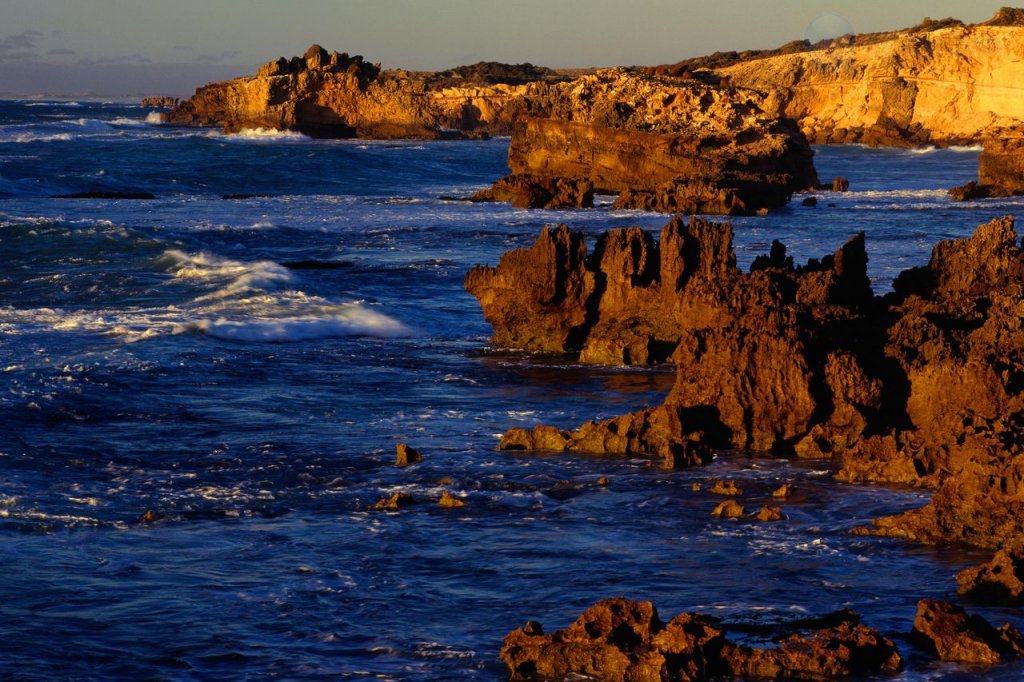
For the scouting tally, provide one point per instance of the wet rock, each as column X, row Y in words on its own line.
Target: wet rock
column 395, row 502
column 729, row 487
column 619, row 639
column 951, row 634
column 1000, row 581
column 783, row 491
column 840, row 184
column 730, row 509
column 658, row 432
column 696, row 487
column 732, row 194
column 405, row 455
column 809, row 201
column 603, row 481
column 524, row 190
column 769, row 513
column 449, row 501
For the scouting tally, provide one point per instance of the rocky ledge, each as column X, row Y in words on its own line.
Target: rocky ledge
column 659, row 144
column 1000, row 169
column 331, row 94
column 923, row 387
column 619, row 639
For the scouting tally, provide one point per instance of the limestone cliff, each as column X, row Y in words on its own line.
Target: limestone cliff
column 951, row 85
column 334, row 95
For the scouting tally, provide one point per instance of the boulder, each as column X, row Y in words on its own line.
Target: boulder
column 405, row 455
column 951, row 634
column 1000, row 581
column 534, row 191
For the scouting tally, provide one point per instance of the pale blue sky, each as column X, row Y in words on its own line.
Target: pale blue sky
column 118, row 47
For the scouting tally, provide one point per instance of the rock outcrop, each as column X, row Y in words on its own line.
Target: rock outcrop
column 937, row 83
column 922, row 387
column 619, row 639
column 335, row 95
column 160, row 102
column 661, row 144
column 947, row 631
column 1000, row 581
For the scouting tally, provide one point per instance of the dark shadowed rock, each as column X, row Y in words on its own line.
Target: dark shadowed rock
column 535, row 191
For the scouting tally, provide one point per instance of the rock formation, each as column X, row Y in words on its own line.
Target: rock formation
column 1000, row 581
column 660, row 144
column 1000, row 169
column 619, row 639
column 922, row 387
column 936, row 83
column 334, row 95
column 160, row 102
column 951, row 634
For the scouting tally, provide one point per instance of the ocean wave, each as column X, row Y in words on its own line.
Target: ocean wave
column 963, row 149
column 349, row 320
column 265, row 135
column 239, row 277
column 53, row 104
column 23, row 138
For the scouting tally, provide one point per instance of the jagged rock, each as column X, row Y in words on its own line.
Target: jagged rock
column 840, row 184
column 972, row 190
column 449, row 501
column 725, row 488
column 1000, row 581
column 947, row 631
column 769, row 513
column 923, row 387
column 395, row 502
column 619, row 639
column 726, row 194
column 533, row 191
column 729, row 509
column 659, row 432
column 783, row 491
column 405, row 455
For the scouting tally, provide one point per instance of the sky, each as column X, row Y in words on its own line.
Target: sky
column 138, row 47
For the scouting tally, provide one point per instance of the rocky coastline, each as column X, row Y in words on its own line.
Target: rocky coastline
column 919, row 387
column 922, row 386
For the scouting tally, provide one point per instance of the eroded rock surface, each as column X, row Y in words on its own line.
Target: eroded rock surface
column 331, row 94
column 951, row 634
column 1000, row 581
column 922, row 387
column 619, row 639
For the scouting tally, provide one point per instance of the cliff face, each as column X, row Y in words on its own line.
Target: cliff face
column 333, row 95
column 952, row 85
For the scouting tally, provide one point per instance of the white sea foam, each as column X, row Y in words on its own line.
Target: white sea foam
column 23, row 138
column 155, row 118
column 972, row 149
column 53, row 104
column 239, row 277
column 265, row 135
column 349, row 320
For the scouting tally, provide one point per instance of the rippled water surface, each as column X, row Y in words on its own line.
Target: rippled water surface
column 244, row 368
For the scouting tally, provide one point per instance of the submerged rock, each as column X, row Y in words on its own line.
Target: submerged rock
column 619, row 639
column 730, row 509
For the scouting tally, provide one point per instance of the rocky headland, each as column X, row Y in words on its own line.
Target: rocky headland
column 334, row 95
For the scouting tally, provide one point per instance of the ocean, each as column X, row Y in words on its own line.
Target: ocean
column 242, row 370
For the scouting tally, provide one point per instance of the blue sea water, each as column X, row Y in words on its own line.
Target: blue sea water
column 172, row 356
